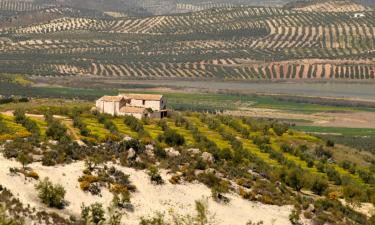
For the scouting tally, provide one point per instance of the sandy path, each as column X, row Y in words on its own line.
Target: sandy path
column 148, row 198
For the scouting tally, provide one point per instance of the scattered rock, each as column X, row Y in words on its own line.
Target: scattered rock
column 198, row 172
column 131, row 153
column 311, row 208
column 207, row 157
column 149, row 147
column 138, row 160
column 127, row 138
column 53, row 142
column 171, row 152
column 81, row 143
column 150, row 151
column 194, row 151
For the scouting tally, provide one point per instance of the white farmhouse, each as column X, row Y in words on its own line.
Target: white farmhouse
column 137, row 105
column 359, row 15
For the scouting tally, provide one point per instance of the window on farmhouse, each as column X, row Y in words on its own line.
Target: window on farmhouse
column 144, row 102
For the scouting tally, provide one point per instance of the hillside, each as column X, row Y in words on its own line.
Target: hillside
column 162, row 7
column 249, row 170
column 229, row 43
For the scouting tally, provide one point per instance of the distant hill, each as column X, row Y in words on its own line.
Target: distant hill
column 328, row 6
column 155, row 7
column 320, row 40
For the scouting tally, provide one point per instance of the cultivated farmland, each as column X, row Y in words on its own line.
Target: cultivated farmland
column 228, row 43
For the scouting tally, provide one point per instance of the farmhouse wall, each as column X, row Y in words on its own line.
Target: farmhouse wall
column 154, row 105
column 112, row 108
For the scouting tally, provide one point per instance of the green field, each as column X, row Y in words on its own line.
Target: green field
column 337, row 130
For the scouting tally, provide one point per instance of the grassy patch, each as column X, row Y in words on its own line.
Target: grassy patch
column 122, row 128
column 211, row 135
column 14, row 130
column 97, row 129
column 153, row 129
column 186, row 133
column 337, row 130
column 41, row 124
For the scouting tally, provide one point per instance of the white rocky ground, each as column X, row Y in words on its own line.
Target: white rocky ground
column 147, row 200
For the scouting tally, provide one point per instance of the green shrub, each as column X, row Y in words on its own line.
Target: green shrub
column 50, row 194
column 319, row 185
column 201, row 217
column 6, row 220
column 330, row 143
column 295, row 179
column 134, row 144
column 26, row 122
column 333, row 175
column 24, row 158
column 57, row 131
column 93, row 214
column 172, row 138
column 134, row 124
column 155, row 176
column 280, row 128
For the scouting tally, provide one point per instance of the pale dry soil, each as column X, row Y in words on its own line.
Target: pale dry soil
column 323, row 119
column 147, row 200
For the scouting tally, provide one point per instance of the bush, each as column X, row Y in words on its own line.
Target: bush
column 330, row 143
column 13, row 149
column 93, row 214
column 323, row 153
column 26, row 122
column 353, row 193
column 24, row 158
column 57, row 131
column 33, row 175
column 122, row 200
column 201, row 217
column 295, row 179
column 134, row 124
column 279, row 128
column 333, row 175
column 134, row 144
column 50, row 194
column 155, row 176
column 160, row 152
column 366, row 176
column 49, row 158
column 319, row 185
column 86, row 180
column 172, row 138
column 6, row 220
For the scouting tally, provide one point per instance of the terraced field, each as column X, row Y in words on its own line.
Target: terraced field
column 264, row 142
column 229, row 43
